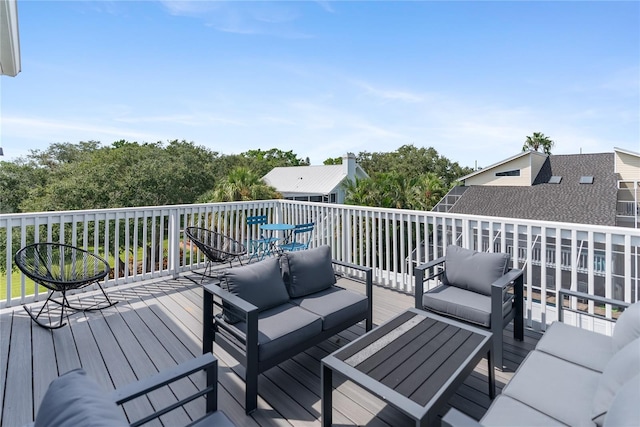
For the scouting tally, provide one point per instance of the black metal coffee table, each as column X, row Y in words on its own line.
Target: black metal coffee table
column 415, row 361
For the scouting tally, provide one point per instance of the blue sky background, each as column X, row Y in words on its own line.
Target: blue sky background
column 471, row 79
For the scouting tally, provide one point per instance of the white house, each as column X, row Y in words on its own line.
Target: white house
column 315, row 183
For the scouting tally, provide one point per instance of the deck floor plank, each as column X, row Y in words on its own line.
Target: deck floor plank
column 18, row 399
column 158, row 324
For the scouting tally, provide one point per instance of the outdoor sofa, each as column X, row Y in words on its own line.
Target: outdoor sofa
column 573, row 377
column 267, row 312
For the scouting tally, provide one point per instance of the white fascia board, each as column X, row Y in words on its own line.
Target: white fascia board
column 9, row 39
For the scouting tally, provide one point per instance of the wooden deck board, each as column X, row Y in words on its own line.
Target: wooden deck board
column 157, row 324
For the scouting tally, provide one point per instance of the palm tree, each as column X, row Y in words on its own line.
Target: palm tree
column 536, row 141
column 242, row 185
column 427, row 192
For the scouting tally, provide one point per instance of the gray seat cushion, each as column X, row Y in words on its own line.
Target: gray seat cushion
column 555, row 387
column 462, row 304
column 306, row 272
column 282, row 327
column 589, row 349
column 74, row 399
column 622, row 366
column 474, row 271
column 260, row 284
column 627, row 327
column 508, row 412
column 624, row 410
column 334, row 305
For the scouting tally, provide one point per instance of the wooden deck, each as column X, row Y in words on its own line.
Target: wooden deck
column 158, row 324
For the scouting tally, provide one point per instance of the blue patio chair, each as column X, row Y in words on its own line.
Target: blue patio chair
column 300, row 238
column 260, row 246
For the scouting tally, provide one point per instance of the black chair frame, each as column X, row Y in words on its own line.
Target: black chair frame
column 216, row 247
column 62, row 268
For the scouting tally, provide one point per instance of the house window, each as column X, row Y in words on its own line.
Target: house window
column 515, row 172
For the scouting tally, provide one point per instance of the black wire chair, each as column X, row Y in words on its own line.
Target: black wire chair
column 217, row 247
column 62, row 268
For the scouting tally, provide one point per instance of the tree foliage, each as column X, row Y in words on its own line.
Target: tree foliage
column 538, row 140
column 408, row 178
column 241, row 184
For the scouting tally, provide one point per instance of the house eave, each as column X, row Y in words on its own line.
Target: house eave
column 10, row 64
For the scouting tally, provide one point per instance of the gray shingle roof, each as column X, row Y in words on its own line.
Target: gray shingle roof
column 568, row 201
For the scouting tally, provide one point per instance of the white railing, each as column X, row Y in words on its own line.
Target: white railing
column 150, row 243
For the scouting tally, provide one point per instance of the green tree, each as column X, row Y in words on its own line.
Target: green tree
column 242, row 184
column 536, row 141
column 261, row 162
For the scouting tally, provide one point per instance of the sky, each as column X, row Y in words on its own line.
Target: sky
column 323, row 78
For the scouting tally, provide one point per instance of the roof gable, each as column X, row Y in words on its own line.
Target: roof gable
column 567, row 201
column 309, row 180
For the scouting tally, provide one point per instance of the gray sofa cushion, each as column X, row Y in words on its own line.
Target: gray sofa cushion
column 624, row 410
column 505, row 411
column 474, row 271
column 306, row 272
column 589, row 349
column 260, row 284
column 459, row 303
column 335, row 305
column 555, row 387
column 627, row 327
column 74, row 399
column 282, row 327
column 623, row 365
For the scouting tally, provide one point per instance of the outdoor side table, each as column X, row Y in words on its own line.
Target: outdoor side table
column 415, row 362
column 273, row 228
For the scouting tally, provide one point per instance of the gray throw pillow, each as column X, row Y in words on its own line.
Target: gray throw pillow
column 260, row 283
column 307, row 272
column 474, row 271
column 627, row 327
column 624, row 365
column 74, row 399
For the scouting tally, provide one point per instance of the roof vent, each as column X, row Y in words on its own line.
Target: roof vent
column 555, row 179
column 586, row 179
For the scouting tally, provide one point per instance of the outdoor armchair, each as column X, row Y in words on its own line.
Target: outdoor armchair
column 75, row 399
column 477, row 288
column 62, row 268
column 216, row 247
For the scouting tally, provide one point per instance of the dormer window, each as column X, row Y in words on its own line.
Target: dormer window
column 586, row 179
column 555, row 179
column 515, row 172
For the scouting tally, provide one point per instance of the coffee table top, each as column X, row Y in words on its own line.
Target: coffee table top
column 414, row 361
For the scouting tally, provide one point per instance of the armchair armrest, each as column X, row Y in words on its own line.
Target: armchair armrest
column 513, row 277
column 419, row 273
column 206, row 362
column 239, row 306
column 368, row 282
column 583, row 295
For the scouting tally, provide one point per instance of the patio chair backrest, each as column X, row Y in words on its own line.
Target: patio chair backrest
column 302, row 233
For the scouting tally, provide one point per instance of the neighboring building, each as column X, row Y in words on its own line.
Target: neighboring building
column 315, row 183
column 600, row 189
